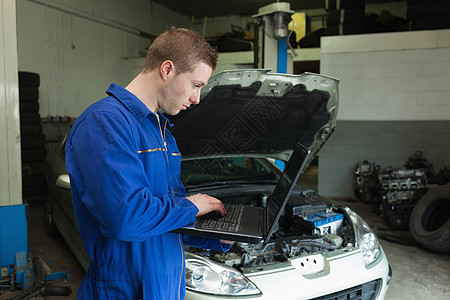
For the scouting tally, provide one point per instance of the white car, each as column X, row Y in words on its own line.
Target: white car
column 233, row 144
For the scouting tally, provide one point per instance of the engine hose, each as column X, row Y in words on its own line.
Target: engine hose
column 307, row 242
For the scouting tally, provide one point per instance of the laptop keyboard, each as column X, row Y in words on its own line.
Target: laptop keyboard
column 229, row 222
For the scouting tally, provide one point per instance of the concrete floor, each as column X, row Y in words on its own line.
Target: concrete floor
column 54, row 252
column 417, row 273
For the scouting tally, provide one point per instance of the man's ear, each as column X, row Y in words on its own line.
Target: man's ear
column 167, row 69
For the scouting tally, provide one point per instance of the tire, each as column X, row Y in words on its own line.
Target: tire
column 235, row 45
column 430, row 220
column 32, row 141
column 28, row 118
column 33, row 181
column 33, row 155
column 28, row 93
column 412, row 2
column 29, row 79
column 32, row 168
column 428, row 9
column 29, row 106
column 34, row 201
column 36, row 191
column 430, row 22
column 345, row 29
column 27, row 129
column 312, row 39
column 347, row 16
column 50, row 227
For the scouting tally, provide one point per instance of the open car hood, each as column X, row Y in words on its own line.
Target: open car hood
column 255, row 112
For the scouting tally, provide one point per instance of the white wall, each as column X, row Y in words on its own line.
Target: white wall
column 10, row 165
column 80, row 47
column 391, row 76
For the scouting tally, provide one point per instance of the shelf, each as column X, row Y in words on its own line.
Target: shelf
column 246, row 57
column 307, row 54
column 238, row 58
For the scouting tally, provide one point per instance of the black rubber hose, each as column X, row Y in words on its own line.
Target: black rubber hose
column 56, row 291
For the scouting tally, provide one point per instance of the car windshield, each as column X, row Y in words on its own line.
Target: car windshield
column 227, row 170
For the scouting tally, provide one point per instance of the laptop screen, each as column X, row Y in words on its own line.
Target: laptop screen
column 280, row 196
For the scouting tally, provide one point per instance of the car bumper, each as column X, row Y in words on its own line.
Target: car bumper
column 344, row 274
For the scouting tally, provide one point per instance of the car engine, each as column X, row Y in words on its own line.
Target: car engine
column 366, row 183
column 394, row 191
column 298, row 232
column 400, row 190
column 280, row 250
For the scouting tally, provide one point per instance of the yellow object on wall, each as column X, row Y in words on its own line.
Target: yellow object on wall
column 299, row 24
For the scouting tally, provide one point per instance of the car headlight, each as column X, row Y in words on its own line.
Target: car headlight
column 203, row 275
column 366, row 240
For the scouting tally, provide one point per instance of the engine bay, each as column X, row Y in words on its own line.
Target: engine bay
column 310, row 225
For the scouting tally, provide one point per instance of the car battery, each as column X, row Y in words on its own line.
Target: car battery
column 305, row 204
column 320, row 223
column 326, row 223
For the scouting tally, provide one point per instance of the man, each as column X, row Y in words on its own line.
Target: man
column 124, row 167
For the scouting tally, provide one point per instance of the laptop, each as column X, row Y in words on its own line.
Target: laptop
column 251, row 224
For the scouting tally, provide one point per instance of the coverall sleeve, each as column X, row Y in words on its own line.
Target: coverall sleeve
column 117, row 191
column 201, row 242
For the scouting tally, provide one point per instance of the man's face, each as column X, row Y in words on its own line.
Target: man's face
column 182, row 90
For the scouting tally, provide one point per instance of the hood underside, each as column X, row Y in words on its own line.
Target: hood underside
column 256, row 112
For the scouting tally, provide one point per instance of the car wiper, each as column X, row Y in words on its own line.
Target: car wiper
column 221, row 184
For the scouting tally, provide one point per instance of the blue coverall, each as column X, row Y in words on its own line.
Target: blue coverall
column 124, row 168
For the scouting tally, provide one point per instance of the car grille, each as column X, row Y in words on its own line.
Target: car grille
column 365, row 291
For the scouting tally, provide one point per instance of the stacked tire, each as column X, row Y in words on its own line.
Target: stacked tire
column 430, row 220
column 428, row 14
column 346, row 17
column 32, row 140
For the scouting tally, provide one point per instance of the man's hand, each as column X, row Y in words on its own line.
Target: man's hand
column 206, row 204
column 227, row 242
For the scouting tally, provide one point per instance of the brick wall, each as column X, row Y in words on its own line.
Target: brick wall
column 394, row 100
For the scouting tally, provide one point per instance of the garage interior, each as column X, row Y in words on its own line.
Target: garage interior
column 394, row 104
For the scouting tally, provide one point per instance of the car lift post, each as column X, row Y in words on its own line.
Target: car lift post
column 271, row 35
column 271, row 41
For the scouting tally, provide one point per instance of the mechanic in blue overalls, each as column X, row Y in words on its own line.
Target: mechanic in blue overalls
column 124, row 168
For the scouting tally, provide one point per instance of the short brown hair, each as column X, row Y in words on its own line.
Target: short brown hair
column 184, row 47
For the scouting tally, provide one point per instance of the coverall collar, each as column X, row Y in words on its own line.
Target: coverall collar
column 139, row 110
